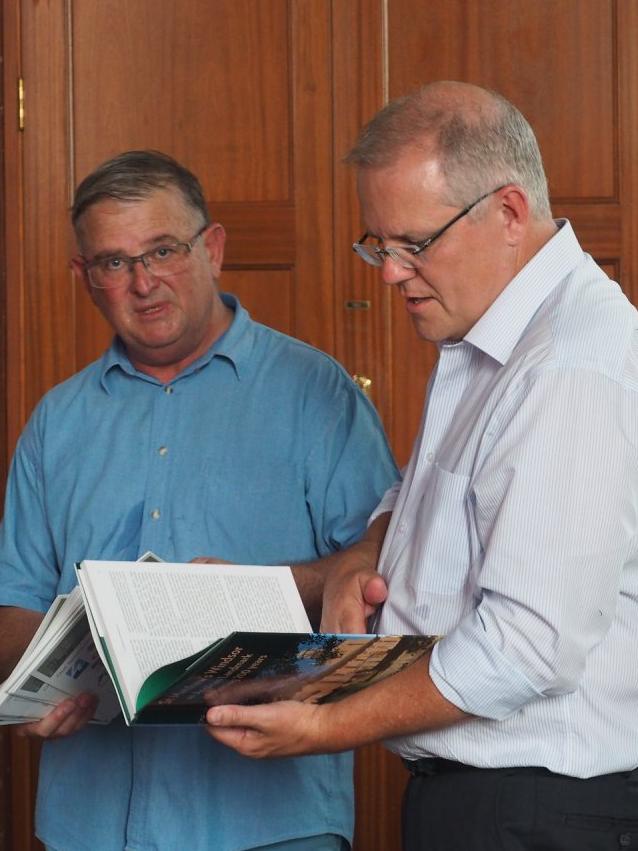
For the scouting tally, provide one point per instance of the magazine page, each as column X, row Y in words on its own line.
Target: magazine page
column 150, row 615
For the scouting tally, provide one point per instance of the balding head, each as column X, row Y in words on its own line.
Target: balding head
column 479, row 139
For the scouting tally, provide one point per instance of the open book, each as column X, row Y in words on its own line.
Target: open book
column 60, row 661
column 166, row 641
column 178, row 638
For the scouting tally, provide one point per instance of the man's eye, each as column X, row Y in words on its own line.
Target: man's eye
column 112, row 264
column 163, row 252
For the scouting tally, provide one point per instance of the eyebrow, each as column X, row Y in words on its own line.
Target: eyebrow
column 408, row 239
column 156, row 240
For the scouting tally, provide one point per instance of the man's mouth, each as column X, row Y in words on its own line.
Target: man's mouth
column 416, row 299
column 151, row 309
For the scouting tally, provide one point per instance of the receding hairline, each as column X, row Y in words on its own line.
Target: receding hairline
column 133, row 176
column 480, row 139
column 429, row 109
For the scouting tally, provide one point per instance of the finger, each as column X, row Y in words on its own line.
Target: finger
column 209, row 560
column 85, row 706
column 375, row 591
column 241, row 739
column 346, row 620
column 233, row 727
column 231, row 716
column 47, row 726
column 68, row 717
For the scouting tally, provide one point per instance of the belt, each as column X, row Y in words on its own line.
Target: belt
column 433, row 766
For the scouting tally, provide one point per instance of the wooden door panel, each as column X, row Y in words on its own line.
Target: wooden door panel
column 559, row 62
column 267, row 294
column 361, row 302
column 259, row 235
column 200, row 82
column 197, row 80
column 41, row 314
column 240, row 91
column 555, row 60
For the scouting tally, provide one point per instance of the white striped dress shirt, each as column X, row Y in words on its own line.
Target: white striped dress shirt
column 515, row 531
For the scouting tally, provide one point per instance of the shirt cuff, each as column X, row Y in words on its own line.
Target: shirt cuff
column 23, row 601
column 387, row 503
column 475, row 676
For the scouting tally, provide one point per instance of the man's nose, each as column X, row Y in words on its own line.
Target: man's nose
column 393, row 272
column 142, row 281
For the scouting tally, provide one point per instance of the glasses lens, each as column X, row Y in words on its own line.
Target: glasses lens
column 167, row 259
column 368, row 253
column 104, row 276
column 406, row 259
column 375, row 255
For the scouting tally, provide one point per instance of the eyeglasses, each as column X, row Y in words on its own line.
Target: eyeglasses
column 115, row 270
column 404, row 255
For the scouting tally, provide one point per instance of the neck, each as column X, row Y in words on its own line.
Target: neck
column 169, row 365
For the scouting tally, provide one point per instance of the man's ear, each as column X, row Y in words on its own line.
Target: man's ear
column 515, row 213
column 214, row 241
column 78, row 267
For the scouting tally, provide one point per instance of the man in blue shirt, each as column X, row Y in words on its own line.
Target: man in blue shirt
column 514, row 533
column 199, row 431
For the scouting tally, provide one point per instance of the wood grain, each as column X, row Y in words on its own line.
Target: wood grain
column 261, row 98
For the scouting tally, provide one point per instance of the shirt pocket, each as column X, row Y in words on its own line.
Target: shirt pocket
column 440, row 550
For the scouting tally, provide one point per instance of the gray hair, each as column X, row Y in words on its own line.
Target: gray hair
column 134, row 175
column 480, row 139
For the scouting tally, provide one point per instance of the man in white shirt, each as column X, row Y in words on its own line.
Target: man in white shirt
column 514, row 532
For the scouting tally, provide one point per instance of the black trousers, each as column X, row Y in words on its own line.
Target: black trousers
column 452, row 807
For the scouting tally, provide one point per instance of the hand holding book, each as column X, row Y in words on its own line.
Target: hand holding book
column 172, row 639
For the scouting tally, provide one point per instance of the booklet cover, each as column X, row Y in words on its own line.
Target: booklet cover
column 256, row 667
column 161, row 642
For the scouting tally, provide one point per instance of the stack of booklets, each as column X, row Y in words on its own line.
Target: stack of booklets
column 60, row 661
column 160, row 642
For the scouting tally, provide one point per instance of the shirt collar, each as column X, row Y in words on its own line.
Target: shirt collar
column 235, row 346
column 502, row 325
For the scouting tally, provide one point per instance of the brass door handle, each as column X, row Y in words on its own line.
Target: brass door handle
column 363, row 382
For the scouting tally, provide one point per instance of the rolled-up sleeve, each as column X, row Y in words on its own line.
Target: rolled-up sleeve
column 349, row 467
column 553, row 509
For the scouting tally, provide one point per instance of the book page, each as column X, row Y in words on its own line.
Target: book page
column 153, row 614
column 60, row 661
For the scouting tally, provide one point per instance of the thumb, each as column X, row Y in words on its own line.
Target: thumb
column 375, row 591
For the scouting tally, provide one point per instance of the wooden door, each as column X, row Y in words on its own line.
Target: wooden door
column 261, row 98
column 238, row 90
column 571, row 66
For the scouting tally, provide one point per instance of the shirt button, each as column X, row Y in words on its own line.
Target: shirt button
column 168, row 390
column 163, row 450
column 155, row 514
column 429, row 457
column 402, row 527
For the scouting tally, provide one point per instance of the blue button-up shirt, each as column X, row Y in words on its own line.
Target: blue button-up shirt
column 262, row 451
column 515, row 532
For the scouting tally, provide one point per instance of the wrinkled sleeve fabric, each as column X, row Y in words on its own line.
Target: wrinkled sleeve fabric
column 388, row 501
column 29, row 577
column 554, row 511
column 349, row 465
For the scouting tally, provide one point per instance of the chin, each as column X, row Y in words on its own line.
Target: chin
column 425, row 331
